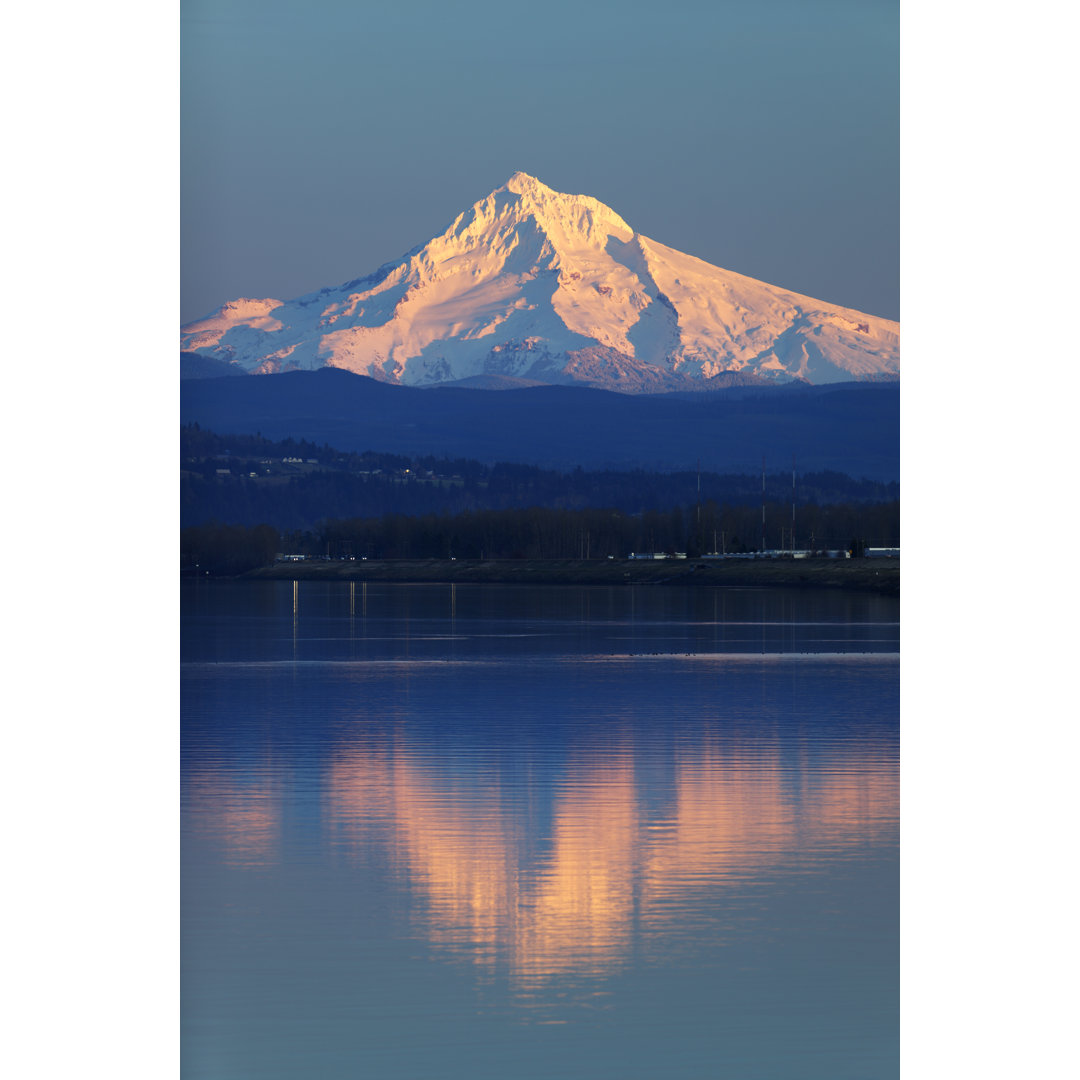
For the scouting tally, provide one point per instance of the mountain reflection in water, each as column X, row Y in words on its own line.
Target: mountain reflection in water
column 568, row 896
column 530, row 832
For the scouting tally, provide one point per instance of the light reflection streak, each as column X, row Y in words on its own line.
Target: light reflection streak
column 578, row 915
column 607, row 868
column 610, row 864
column 242, row 813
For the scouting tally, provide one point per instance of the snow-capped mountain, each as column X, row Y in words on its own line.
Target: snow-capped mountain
column 536, row 285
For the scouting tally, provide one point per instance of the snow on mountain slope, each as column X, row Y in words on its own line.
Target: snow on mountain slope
column 533, row 284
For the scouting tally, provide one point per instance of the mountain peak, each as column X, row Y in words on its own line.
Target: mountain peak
column 532, row 283
column 522, row 183
column 578, row 218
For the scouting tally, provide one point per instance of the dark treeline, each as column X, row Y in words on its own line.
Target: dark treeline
column 207, row 450
column 227, row 549
column 216, row 485
column 197, row 442
column 548, row 533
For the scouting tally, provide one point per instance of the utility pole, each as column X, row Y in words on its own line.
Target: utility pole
column 700, row 534
column 793, row 506
column 762, row 504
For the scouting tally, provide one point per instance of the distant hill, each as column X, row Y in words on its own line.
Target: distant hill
column 851, row 428
column 196, row 366
column 249, row 480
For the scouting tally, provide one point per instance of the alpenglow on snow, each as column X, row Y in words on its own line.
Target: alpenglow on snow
column 539, row 286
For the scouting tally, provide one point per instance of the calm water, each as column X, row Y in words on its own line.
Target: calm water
column 509, row 832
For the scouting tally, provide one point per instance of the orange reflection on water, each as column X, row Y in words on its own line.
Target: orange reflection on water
column 243, row 815
column 738, row 813
column 450, row 840
column 862, row 797
column 579, row 912
column 730, row 818
column 603, row 865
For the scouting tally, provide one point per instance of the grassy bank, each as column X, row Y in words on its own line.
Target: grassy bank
column 876, row 575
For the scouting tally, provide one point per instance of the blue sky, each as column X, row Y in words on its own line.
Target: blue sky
column 321, row 139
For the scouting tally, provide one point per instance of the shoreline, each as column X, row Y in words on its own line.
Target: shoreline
column 872, row 575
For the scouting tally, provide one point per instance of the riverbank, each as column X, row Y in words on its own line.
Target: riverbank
column 874, row 575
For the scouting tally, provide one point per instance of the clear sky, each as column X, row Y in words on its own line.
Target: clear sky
column 321, row 138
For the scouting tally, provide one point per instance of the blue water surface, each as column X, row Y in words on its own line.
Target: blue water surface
column 494, row 831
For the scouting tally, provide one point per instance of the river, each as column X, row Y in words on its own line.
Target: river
column 497, row 831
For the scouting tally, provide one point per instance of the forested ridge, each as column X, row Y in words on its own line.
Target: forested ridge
column 314, row 500
column 296, row 485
